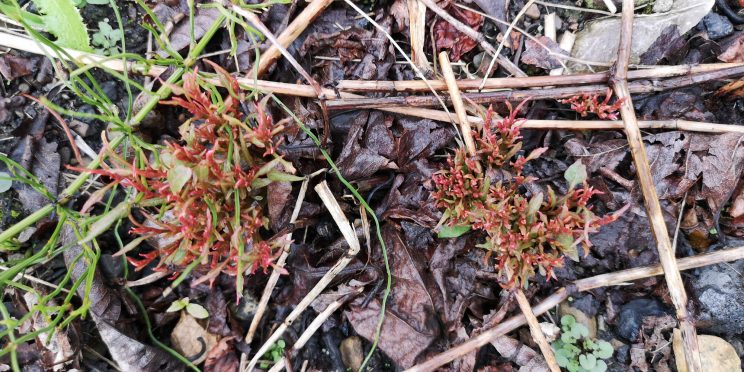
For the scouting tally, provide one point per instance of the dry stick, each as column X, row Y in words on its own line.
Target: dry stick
column 417, row 29
column 639, row 86
column 315, row 325
column 411, row 86
column 537, row 335
column 348, row 232
column 506, row 37
column 651, row 199
column 290, row 34
column 454, row 92
column 275, row 273
column 561, row 294
column 475, row 35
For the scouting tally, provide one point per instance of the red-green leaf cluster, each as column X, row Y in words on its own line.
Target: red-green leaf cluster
column 585, row 104
column 203, row 198
column 524, row 234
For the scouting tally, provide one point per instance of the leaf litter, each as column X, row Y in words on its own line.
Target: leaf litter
column 443, row 293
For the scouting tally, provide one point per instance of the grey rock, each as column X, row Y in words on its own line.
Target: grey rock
column 720, row 293
column 717, row 26
column 631, row 315
column 663, row 6
column 598, row 41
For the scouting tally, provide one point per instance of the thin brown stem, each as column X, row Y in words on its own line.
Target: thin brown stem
column 454, row 92
column 535, row 331
column 673, row 278
column 290, row 34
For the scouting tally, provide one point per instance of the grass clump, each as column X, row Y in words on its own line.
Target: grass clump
column 487, row 193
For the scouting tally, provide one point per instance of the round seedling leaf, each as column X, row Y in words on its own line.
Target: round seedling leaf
column 604, row 349
column 587, row 361
column 177, row 305
column 197, row 311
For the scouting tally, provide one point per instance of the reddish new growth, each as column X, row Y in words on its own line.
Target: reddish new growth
column 524, row 234
column 203, row 198
column 590, row 103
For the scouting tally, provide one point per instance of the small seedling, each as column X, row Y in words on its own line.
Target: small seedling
column 274, row 354
column 576, row 352
column 107, row 39
column 585, row 104
column 195, row 310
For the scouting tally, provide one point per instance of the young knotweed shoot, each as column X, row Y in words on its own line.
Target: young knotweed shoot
column 586, row 104
column 524, row 233
column 203, row 198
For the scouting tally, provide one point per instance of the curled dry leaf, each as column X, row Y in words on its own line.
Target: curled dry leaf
column 447, row 37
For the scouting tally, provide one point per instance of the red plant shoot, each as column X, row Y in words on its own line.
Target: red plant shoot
column 585, row 104
column 524, row 234
column 203, row 198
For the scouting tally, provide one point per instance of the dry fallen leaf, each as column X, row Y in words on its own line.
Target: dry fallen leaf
column 191, row 339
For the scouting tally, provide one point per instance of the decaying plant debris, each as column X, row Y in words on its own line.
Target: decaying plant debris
column 379, row 185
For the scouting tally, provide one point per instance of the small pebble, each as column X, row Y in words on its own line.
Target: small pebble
column 631, row 316
column 24, row 88
column 718, row 26
column 533, row 11
column 352, row 353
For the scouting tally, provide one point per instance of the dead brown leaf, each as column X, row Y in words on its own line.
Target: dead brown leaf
column 191, row 339
column 540, row 55
column 13, row 67
column 410, row 321
column 447, row 37
column 732, row 48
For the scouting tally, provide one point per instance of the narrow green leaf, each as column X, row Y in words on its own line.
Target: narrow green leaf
column 177, row 305
column 452, row 231
column 106, row 221
column 278, row 176
column 534, row 204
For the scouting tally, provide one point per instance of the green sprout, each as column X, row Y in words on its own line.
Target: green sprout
column 107, row 39
column 274, row 354
column 576, row 352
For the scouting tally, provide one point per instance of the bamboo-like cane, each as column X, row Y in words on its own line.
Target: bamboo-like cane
column 454, row 92
column 537, row 335
column 561, row 294
column 290, row 34
column 651, row 199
